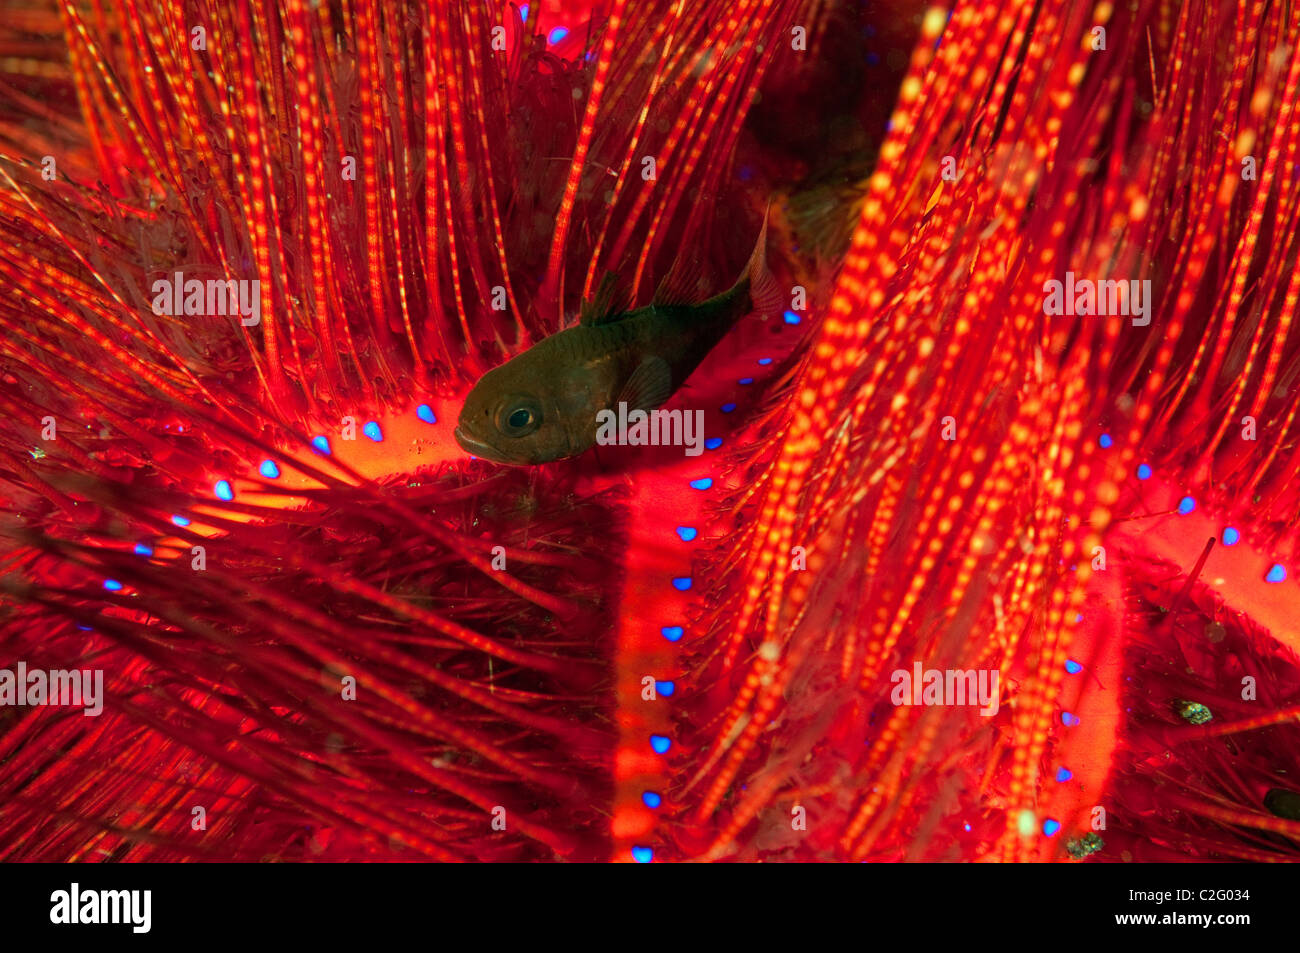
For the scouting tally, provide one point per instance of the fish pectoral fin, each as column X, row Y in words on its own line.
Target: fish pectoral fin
column 649, row 386
column 606, row 304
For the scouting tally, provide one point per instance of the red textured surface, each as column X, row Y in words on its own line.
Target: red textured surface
column 520, row 689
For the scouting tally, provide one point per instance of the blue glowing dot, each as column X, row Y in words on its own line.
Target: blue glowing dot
column 321, row 445
column 1186, row 505
column 1073, row 667
column 1144, row 472
column 792, row 318
column 84, row 628
column 180, row 520
column 555, row 36
column 1276, row 574
column 651, row 800
column 665, row 688
column 269, row 470
column 1063, row 775
column 687, row 533
column 727, row 408
column 660, row 743
column 425, row 413
column 371, row 430
column 524, row 11
column 642, row 855
column 965, row 827
column 223, row 490
column 672, row 632
column 682, row 583
column 703, row 483
column 1230, row 536
column 713, row 443
column 112, row 585
column 1105, row 441
column 1078, row 616
column 765, row 361
column 1050, row 827
column 143, row 549
column 1068, row 719
column 745, row 380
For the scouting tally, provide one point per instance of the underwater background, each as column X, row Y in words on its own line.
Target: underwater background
column 327, row 632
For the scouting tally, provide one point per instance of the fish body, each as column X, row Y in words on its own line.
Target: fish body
column 542, row 405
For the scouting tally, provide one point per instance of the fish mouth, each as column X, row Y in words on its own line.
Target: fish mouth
column 477, row 447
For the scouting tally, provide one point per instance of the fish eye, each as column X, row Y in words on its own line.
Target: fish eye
column 519, row 416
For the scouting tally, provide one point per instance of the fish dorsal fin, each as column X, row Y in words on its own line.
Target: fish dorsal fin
column 765, row 295
column 649, row 386
column 685, row 282
column 680, row 285
column 606, row 304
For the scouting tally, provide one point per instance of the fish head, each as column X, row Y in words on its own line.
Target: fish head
column 528, row 411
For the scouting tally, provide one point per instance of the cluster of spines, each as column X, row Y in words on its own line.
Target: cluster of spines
column 963, row 541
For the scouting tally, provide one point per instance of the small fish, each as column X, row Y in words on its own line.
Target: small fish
column 541, row 405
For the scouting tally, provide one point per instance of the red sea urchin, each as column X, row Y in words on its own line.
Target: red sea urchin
column 321, row 639
column 341, row 639
column 947, row 460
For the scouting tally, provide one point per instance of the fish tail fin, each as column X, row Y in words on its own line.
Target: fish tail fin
column 763, row 289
